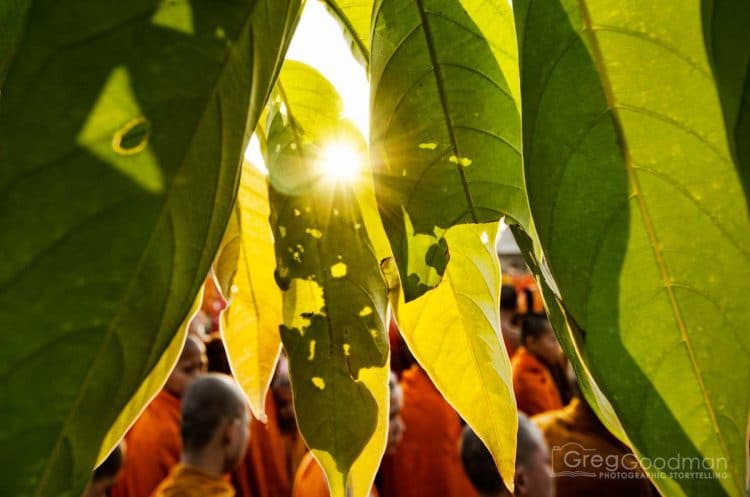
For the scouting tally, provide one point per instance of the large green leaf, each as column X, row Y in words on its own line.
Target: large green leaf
column 568, row 334
column 727, row 40
column 150, row 386
column 445, row 131
column 334, row 296
column 454, row 332
column 642, row 223
column 122, row 127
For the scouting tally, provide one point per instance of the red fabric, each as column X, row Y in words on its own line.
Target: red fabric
column 310, row 480
column 427, row 462
column 153, row 448
column 535, row 389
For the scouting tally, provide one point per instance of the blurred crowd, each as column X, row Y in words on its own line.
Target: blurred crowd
column 197, row 439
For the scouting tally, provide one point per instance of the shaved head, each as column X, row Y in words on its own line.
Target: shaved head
column 191, row 363
column 211, row 403
column 531, row 459
column 193, row 344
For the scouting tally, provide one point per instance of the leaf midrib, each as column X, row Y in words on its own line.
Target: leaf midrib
column 608, row 90
column 440, row 83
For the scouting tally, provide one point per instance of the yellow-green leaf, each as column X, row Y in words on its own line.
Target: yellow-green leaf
column 354, row 17
column 445, row 127
column 642, row 219
column 366, row 465
column 122, row 127
column 334, row 296
column 250, row 324
column 150, row 387
column 454, row 333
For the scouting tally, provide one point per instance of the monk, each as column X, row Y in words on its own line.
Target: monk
column 533, row 383
column 533, row 470
column 264, row 471
column 154, row 440
column 310, row 480
column 106, row 474
column 509, row 319
column 214, row 432
column 575, row 435
column 427, row 461
column 294, row 446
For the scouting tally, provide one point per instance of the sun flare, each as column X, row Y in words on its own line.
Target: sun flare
column 341, row 162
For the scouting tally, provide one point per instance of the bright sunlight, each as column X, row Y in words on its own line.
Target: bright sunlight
column 340, row 162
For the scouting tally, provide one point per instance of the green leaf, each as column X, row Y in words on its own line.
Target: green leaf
column 354, row 17
column 244, row 268
column 12, row 21
column 150, row 386
column 445, row 132
column 122, row 127
column 334, row 296
column 727, row 41
column 468, row 362
column 642, row 223
column 568, row 333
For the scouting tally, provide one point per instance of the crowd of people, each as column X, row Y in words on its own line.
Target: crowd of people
column 197, row 439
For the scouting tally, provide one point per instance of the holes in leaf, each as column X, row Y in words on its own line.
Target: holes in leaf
column 132, row 137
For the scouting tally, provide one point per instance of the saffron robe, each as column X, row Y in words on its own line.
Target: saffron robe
column 427, row 462
column 153, row 447
column 187, row 481
column 265, row 471
column 575, row 428
column 535, row 389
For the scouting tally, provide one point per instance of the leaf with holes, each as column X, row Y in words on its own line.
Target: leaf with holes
column 468, row 362
column 122, row 126
column 334, row 295
column 244, row 268
column 445, row 130
column 642, row 223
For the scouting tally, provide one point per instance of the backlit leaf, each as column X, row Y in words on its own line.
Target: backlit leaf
column 244, row 268
column 150, row 386
column 566, row 330
column 354, row 17
column 122, row 126
column 334, row 295
column 445, row 130
column 454, row 333
column 642, row 223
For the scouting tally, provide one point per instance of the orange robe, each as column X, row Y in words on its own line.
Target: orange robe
column 295, row 449
column 265, row 471
column 310, row 480
column 427, row 463
column 576, row 428
column 533, row 384
column 153, row 447
column 187, row 481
